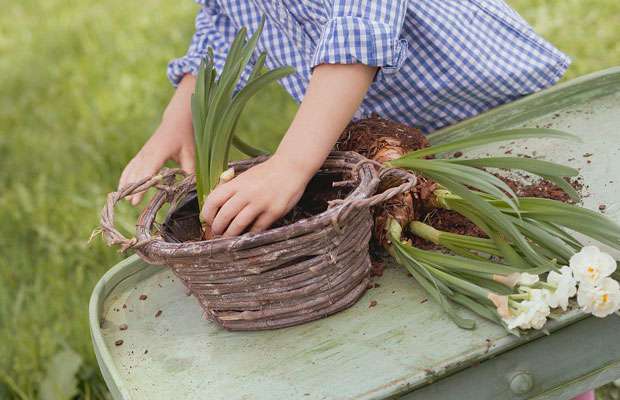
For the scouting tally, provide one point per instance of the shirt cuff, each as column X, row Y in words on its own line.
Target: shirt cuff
column 179, row 67
column 352, row 40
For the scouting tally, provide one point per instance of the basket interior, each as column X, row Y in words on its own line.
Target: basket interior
column 182, row 223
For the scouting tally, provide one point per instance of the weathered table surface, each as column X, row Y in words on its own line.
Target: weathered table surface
column 404, row 345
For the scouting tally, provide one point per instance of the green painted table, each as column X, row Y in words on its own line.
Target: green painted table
column 403, row 346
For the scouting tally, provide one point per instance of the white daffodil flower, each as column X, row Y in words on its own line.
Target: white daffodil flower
column 563, row 286
column 540, row 308
column 517, row 320
column 591, row 265
column 531, row 313
column 526, row 279
column 601, row 299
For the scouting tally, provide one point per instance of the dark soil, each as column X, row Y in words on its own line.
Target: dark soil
column 541, row 188
column 318, row 194
column 183, row 224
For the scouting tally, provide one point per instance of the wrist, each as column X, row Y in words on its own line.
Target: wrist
column 298, row 166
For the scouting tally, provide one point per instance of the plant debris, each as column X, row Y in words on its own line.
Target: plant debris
column 122, row 327
column 119, row 342
column 158, row 313
column 143, row 297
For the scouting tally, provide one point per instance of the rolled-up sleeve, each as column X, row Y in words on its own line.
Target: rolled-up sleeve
column 213, row 29
column 365, row 32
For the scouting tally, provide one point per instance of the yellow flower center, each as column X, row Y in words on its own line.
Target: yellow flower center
column 605, row 298
column 590, row 269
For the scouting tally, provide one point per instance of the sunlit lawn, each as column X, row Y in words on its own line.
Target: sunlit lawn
column 82, row 85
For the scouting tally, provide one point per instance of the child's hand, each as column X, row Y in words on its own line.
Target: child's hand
column 173, row 140
column 262, row 194
column 257, row 198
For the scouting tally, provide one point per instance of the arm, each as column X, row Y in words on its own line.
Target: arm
column 264, row 193
column 173, row 139
column 360, row 37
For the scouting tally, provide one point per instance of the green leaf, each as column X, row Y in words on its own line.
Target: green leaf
column 463, row 251
column 216, row 108
column 463, row 174
column 458, row 263
column 485, row 138
column 258, row 67
column 483, row 310
column 582, row 220
column 247, row 148
column 495, row 219
column 550, row 241
column 460, row 284
column 482, row 245
column 431, row 286
column 534, row 166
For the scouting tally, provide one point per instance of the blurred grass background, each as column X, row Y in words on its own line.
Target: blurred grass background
column 82, row 85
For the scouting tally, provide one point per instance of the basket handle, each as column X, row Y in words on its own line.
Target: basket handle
column 112, row 236
column 408, row 180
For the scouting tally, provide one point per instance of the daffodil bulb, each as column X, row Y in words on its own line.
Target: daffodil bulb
column 530, row 313
column 601, row 299
column 562, row 286
column 591, row 265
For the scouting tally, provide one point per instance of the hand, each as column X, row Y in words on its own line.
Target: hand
column 173, row 140
column 266, row 192
column 257, row 197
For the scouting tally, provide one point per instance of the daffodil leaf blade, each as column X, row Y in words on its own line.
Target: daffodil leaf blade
column 469, row 176
column 486, row 138
column 531, row 165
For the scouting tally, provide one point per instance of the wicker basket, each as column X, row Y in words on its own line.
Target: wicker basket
column 285, row 276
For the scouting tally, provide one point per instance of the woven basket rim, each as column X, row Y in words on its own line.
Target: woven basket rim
column 367, row 182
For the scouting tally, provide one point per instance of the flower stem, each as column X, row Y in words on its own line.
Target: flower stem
column 520, row 296
column 425, row 231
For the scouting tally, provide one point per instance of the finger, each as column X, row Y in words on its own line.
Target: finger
column 129, row 176
column 135, row 176
column 135, row 199
column 241, row 221
column 215, row 200
column 227, row 212
column 136, row 173
column 187, row 161
column 264, row 221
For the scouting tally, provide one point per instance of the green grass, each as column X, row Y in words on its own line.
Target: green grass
column 80, row 90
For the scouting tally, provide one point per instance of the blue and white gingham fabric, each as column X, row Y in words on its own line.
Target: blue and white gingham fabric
column 440, row 61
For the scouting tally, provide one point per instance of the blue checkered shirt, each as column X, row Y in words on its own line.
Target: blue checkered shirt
column 440, row 61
